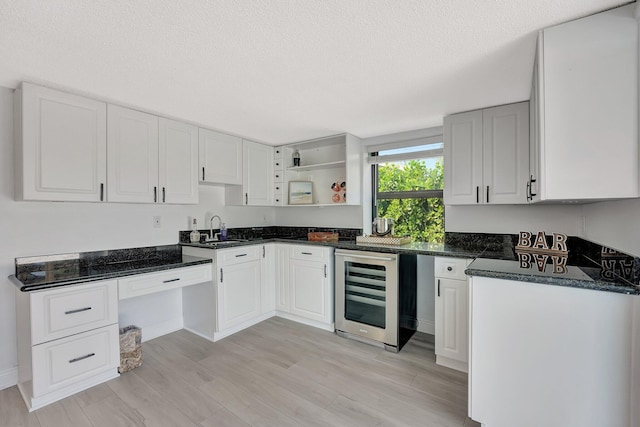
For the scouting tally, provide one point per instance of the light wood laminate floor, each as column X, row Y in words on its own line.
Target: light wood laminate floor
column 277, row 373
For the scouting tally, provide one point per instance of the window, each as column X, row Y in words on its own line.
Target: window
column 407, row 185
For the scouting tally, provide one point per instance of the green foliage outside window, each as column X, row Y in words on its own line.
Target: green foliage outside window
column 420, row 218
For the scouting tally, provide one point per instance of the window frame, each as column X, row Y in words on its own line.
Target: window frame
column 374, row 159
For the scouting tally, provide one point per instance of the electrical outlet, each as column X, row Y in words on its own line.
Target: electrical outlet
column 157, row 222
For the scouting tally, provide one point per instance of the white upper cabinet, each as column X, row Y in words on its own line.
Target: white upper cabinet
column 178, row 170
column 60, row 145
column 220, row 158
column 585, row 95
column 257, row 177
column 132, row 150
column 150, row 159
column 486, row 155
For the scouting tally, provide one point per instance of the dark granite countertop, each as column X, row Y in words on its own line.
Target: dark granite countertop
column 50, row 271
column 588, row 265
column 610, row 273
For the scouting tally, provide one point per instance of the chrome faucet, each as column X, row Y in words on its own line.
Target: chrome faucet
column 211, row 237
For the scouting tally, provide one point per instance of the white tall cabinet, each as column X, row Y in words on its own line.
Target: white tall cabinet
column 60, row 145
column 451, row 313
column 584, row 117
column 486, row 155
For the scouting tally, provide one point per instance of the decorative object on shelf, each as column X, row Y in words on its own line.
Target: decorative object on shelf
column 387, row 240
column 300, row 192
column 339, row 191
column 296, row 158
column 536, row 250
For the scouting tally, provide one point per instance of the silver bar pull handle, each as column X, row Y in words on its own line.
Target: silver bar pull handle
column 203, row 173
column 306, row 253
column 263, row 251
column 369, row 257
column 171, row 280
column 78, row 310
column 325, row 270
column 164, row 195
column 102, row 191
column 239, row 255
column 86, row 356
column 221, row 276
column 155, row 194
column 438, row 287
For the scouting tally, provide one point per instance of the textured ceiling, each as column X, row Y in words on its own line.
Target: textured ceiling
column 280, row 71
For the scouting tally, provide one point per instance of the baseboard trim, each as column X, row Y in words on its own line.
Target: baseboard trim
column 427, row 326
column 8, row 377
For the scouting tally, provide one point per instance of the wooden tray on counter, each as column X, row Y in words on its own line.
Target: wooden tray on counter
column 322, row 236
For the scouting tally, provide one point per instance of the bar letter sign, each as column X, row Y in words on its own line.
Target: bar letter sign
column 534, row 249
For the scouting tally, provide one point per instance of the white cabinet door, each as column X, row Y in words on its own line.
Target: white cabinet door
column 132, row 154
column 257, row 174
column 220, row 158
column 238, row 294
column 178, row 156
column 451, row 318
column 309, row 285
column 60, row 145
column 268, row 278
column 282, row 252
column 463, row 158
column 486, row 155
column 506, row 153
column 589, row 93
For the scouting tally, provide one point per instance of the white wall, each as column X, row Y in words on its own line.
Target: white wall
column 615, row 224
column 34, row 228
column 511, row 219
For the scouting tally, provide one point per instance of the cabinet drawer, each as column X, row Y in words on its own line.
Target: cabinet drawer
column 60, row 312
column 225, row 257
column 451, row 268
column 59, row 363
column 143, row 284
column 310, row 253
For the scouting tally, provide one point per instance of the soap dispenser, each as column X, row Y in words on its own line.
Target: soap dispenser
column 223, row 232
column 194, row 237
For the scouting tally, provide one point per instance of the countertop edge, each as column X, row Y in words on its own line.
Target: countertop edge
column 29, row 288
column 404, row 249
column 594, row 285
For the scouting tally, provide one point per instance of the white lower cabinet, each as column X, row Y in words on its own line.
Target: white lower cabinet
column 67, row 340
column 238, row 286
column 306, row 293
column 451, row 313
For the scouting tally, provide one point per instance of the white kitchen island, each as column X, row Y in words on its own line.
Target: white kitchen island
column 546, row 355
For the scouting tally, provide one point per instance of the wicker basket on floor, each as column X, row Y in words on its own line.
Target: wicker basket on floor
column 130, row 348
